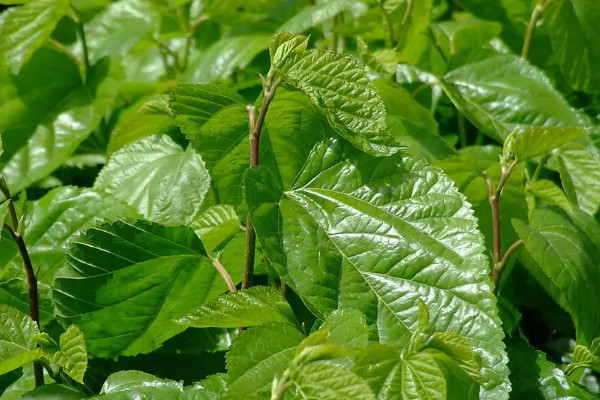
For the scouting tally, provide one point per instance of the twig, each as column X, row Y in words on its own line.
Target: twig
column 390, row 23
column 255, row 128
column 226, row 277
column 535, row 14
column 15, row 232
column 409, row 6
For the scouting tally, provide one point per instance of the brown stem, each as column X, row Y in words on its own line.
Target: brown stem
column 15, row 232
column 535, row 14
column 255, row 130
column 226, row 277
column 494, row 199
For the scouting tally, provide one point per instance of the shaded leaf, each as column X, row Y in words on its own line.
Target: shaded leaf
column 124, row 283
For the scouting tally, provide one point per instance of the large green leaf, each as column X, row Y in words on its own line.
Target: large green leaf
column 17, row 347
column 292, row 126
column 572, row 26
column 158, row 178
column 253, row 306
column 116, row 29
column 259, row 354
column 502, row 92
column 376, row 234
column 50, row 225
column 124, row 283
column 24, row 29
column 565, row 252
column 340, row 86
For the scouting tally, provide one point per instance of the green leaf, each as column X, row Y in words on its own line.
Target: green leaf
column 24, row 29
column 317, row 381
column 116, row 29
column 313, row 15
column 374, row 234
column 579, row 168
column 222, row 58
column 72, row 356
column 422, row 378
column 459, row 351
column 284, row 45
column 565, row 254
column 534, row 377
column 411, row 124
column 217, row 226
column 161, row 181
column 134, row 385
column 465, row 32
column 340, row 86
column 153, row 117
column 503, row 92
column 253, row 306
column 194, row 105
column 347, row 329
column 259, row 354
column 584, row 357
column 536, row 141
column 17, row 347
column 574, row 35
column 124, row 283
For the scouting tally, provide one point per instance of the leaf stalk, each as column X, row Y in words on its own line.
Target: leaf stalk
column 539, row 8
column 16, row 234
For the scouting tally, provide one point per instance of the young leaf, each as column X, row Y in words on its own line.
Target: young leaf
column 314, row 14
column 347, row 329
column 17, row 346
column 579, row 168
column 136, row 384
column 124, row 283
column 341, row 87
column 259, row 354
column 253, row 306
column 24, row 29
column 284, row 45
column 536, row 141
column 355, row 231
column 380, row 366
column 158, row 178
column 422, row 378
column 316, row 381
column 459, row 351
column 72, row 356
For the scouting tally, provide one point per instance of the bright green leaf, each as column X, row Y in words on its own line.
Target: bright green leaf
column 374, row 234
column 253, row 306
column 158, row 178
column 317, row 381
column 17, row 347
column 284, row 45
column 72, row 356
column 340, row 86
column 422, row 378
column 537, row 141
